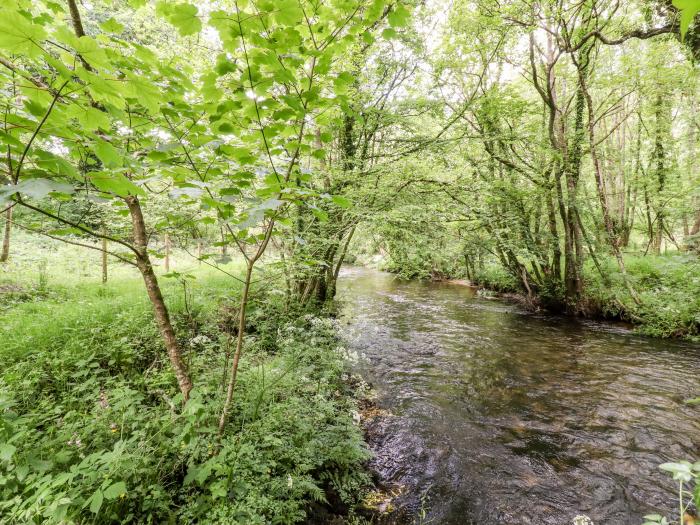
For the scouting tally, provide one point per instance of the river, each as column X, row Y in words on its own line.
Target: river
column 498, row 415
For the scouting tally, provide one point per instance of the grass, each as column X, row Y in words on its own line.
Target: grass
column 91, row 425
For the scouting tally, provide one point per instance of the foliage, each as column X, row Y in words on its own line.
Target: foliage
column 90, row 428
column 688, row 477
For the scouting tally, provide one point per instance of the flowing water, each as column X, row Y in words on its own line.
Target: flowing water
column 498, row 415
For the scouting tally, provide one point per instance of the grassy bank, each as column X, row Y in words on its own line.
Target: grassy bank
column 668, row 287
column 91, row 424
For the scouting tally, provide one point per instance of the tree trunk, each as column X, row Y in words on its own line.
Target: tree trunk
column 239, row 347
column 5, row 254
column 155, row 295
column 167, row 252
column 602, row 194
column 104, row 259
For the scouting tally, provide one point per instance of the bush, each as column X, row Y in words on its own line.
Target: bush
column 669, row 291
column 495, row 277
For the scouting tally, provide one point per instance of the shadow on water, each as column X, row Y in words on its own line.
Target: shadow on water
column 503, row 416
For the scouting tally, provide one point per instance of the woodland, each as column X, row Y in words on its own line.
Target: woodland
column 183, row 183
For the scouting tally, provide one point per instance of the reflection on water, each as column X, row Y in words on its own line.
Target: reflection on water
column 502, row 416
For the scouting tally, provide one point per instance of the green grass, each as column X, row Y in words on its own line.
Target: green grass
column 91, row 425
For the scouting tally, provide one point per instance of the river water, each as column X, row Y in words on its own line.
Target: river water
column 500, row 416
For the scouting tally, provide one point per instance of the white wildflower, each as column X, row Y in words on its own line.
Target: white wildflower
column 582, row 519
column 199, row 340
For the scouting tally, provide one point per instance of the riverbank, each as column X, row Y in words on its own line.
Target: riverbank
column 92, row 427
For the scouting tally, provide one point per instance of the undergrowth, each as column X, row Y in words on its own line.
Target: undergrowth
column 92, row 428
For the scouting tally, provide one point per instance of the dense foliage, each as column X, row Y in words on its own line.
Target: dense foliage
column 93, row 432
column 545, row 149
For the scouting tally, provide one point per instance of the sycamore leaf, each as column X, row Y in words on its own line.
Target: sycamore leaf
column 115, row 183
column 91, row 118
column 182, row 16
column 342, row 83
column 35, row 188
column 108, row 154
column 688, row 10
column 399, row 16
column 374, row 11
column 18, row 35
column 389, row 33
column 288, row 12
column 112, row 26
column 53, row 163
column 90, row 50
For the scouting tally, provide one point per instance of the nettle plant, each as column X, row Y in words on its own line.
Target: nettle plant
column 102, row 118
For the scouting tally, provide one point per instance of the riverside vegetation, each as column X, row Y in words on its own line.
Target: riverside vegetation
column 221, row 161
column 91, row 425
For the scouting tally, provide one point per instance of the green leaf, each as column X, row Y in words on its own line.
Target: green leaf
column 90, row 118
column 35, row 188
column 96, row 501
column 182, row 16
column 341, row 201
column 115, row 490
column 90, row 50
column 399, row 16
column 115, row 183
column 342, row 83
column 111, row 26
column 288, row 12
column 18, row 35
column 389, row 33
column 108, row 154
column 688, row 10
column 6, row 451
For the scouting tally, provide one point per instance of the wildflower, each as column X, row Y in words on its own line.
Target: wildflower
column 582, row 519
column 199, row 340
column 290, row 481
column 104, row 402
column 113, row 427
